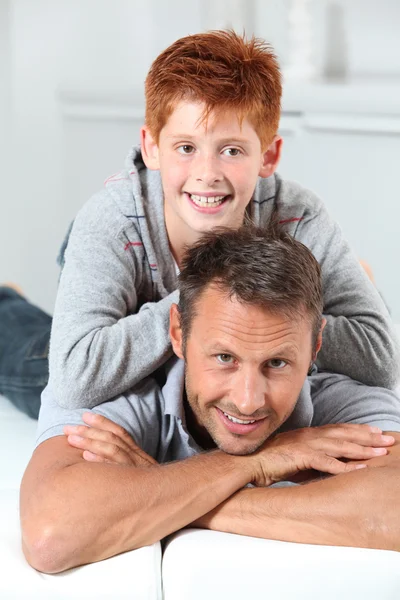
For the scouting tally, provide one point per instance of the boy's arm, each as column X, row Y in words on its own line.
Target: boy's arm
column 359, row 339
column 359, row 509
column 99, row 349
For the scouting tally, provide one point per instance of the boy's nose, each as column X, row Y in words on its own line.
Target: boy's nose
column 207, row 171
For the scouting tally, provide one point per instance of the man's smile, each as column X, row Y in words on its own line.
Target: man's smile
column 239, row 426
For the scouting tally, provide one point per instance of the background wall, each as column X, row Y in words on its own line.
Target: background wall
column 71, row 104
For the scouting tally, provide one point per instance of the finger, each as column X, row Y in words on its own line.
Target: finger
column 343, row 449
column 104, row 450
column 328, row 464
column 365, row 435
column 105, row 430
column 97, row 434
column 90, row 457
column 101, row 422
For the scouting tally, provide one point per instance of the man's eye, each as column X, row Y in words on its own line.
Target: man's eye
column 186, row 149
column 276, row 363
column 226, row 359
column 232, row 152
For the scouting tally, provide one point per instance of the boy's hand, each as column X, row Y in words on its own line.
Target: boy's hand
column 325, row 449
column 105, row 441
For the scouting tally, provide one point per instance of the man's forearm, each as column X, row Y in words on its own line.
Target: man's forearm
column 359, row 509
column 86, row 512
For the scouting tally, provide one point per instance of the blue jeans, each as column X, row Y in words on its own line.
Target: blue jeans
column 24, row 348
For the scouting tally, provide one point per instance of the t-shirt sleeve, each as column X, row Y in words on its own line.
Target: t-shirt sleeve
column 138, row 412
column 104, row 340
column 359, row 339
column 339, row 399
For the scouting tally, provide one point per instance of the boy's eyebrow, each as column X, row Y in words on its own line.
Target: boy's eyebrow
column 230, row 140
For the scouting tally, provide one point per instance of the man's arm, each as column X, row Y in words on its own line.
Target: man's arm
column 75, row 512
column 360, row 509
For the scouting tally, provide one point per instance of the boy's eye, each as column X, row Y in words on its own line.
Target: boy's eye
column 186, row 149
column 276, row 363
column 225, row 359
column 232, row 152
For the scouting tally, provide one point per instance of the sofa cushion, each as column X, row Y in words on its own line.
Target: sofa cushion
column 200, row 564
column 133, row 575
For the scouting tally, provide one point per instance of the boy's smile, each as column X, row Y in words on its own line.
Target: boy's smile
column 209, row 170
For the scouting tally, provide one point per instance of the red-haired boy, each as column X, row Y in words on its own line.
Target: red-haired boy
column 208, row 155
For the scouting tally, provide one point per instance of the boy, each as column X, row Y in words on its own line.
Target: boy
column 209, row 151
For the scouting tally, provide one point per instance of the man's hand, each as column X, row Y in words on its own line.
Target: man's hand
column 318, row 448
column 105, row 441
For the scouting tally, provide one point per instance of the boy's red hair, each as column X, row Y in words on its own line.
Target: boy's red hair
column 224, row 71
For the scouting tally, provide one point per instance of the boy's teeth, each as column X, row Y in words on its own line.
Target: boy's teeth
column 204, row 201
column 238, row 420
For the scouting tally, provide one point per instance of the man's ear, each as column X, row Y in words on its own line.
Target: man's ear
column 318, row 342
column 150, row 152
column 271, row 157
column 175, row 330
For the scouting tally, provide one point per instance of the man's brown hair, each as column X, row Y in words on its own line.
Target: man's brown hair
column 223, row 70
column 262, row 267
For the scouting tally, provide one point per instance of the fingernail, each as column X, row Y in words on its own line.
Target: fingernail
column 376, row 430
column 387, row 438
column 75, row 438
column 88, row 415
column 69, row 429
column 361, row 466
column 379, row 450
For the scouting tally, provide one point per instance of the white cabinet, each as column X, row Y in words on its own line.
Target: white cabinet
column 343, row 141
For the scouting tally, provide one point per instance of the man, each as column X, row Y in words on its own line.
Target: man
column 235, row 408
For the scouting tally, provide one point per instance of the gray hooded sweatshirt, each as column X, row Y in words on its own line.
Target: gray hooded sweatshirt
column 110, row 327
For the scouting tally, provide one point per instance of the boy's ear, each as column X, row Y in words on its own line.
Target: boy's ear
column 175, row 331
column 271, row 157
column 150, row 152
column 318, row 342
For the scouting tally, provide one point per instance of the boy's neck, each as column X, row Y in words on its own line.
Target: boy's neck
column 180, row 236
column 179, row 242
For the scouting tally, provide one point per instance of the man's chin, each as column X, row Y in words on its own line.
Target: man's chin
column 239, row 447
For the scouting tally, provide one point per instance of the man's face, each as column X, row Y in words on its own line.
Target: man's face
column 245, row 368
column 209, row 170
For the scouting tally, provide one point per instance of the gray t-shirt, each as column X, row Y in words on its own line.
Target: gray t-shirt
column 154, row 415
column 111, row 318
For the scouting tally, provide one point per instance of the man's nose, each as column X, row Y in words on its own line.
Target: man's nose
column 207, row 169
column 250, row 392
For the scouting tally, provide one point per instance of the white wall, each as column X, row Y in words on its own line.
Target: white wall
column 71, row 85
column 8, row 255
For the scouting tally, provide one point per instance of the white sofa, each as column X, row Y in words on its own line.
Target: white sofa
column 195, row 565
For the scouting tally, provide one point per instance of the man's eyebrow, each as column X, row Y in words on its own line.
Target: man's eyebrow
column 285, row 350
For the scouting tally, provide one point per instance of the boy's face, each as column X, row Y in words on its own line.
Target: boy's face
column 208, row 170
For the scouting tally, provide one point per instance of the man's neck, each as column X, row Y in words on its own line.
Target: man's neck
column 198, row 433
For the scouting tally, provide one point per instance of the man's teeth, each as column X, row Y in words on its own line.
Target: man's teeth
column 238, row 420
column 204, row 201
